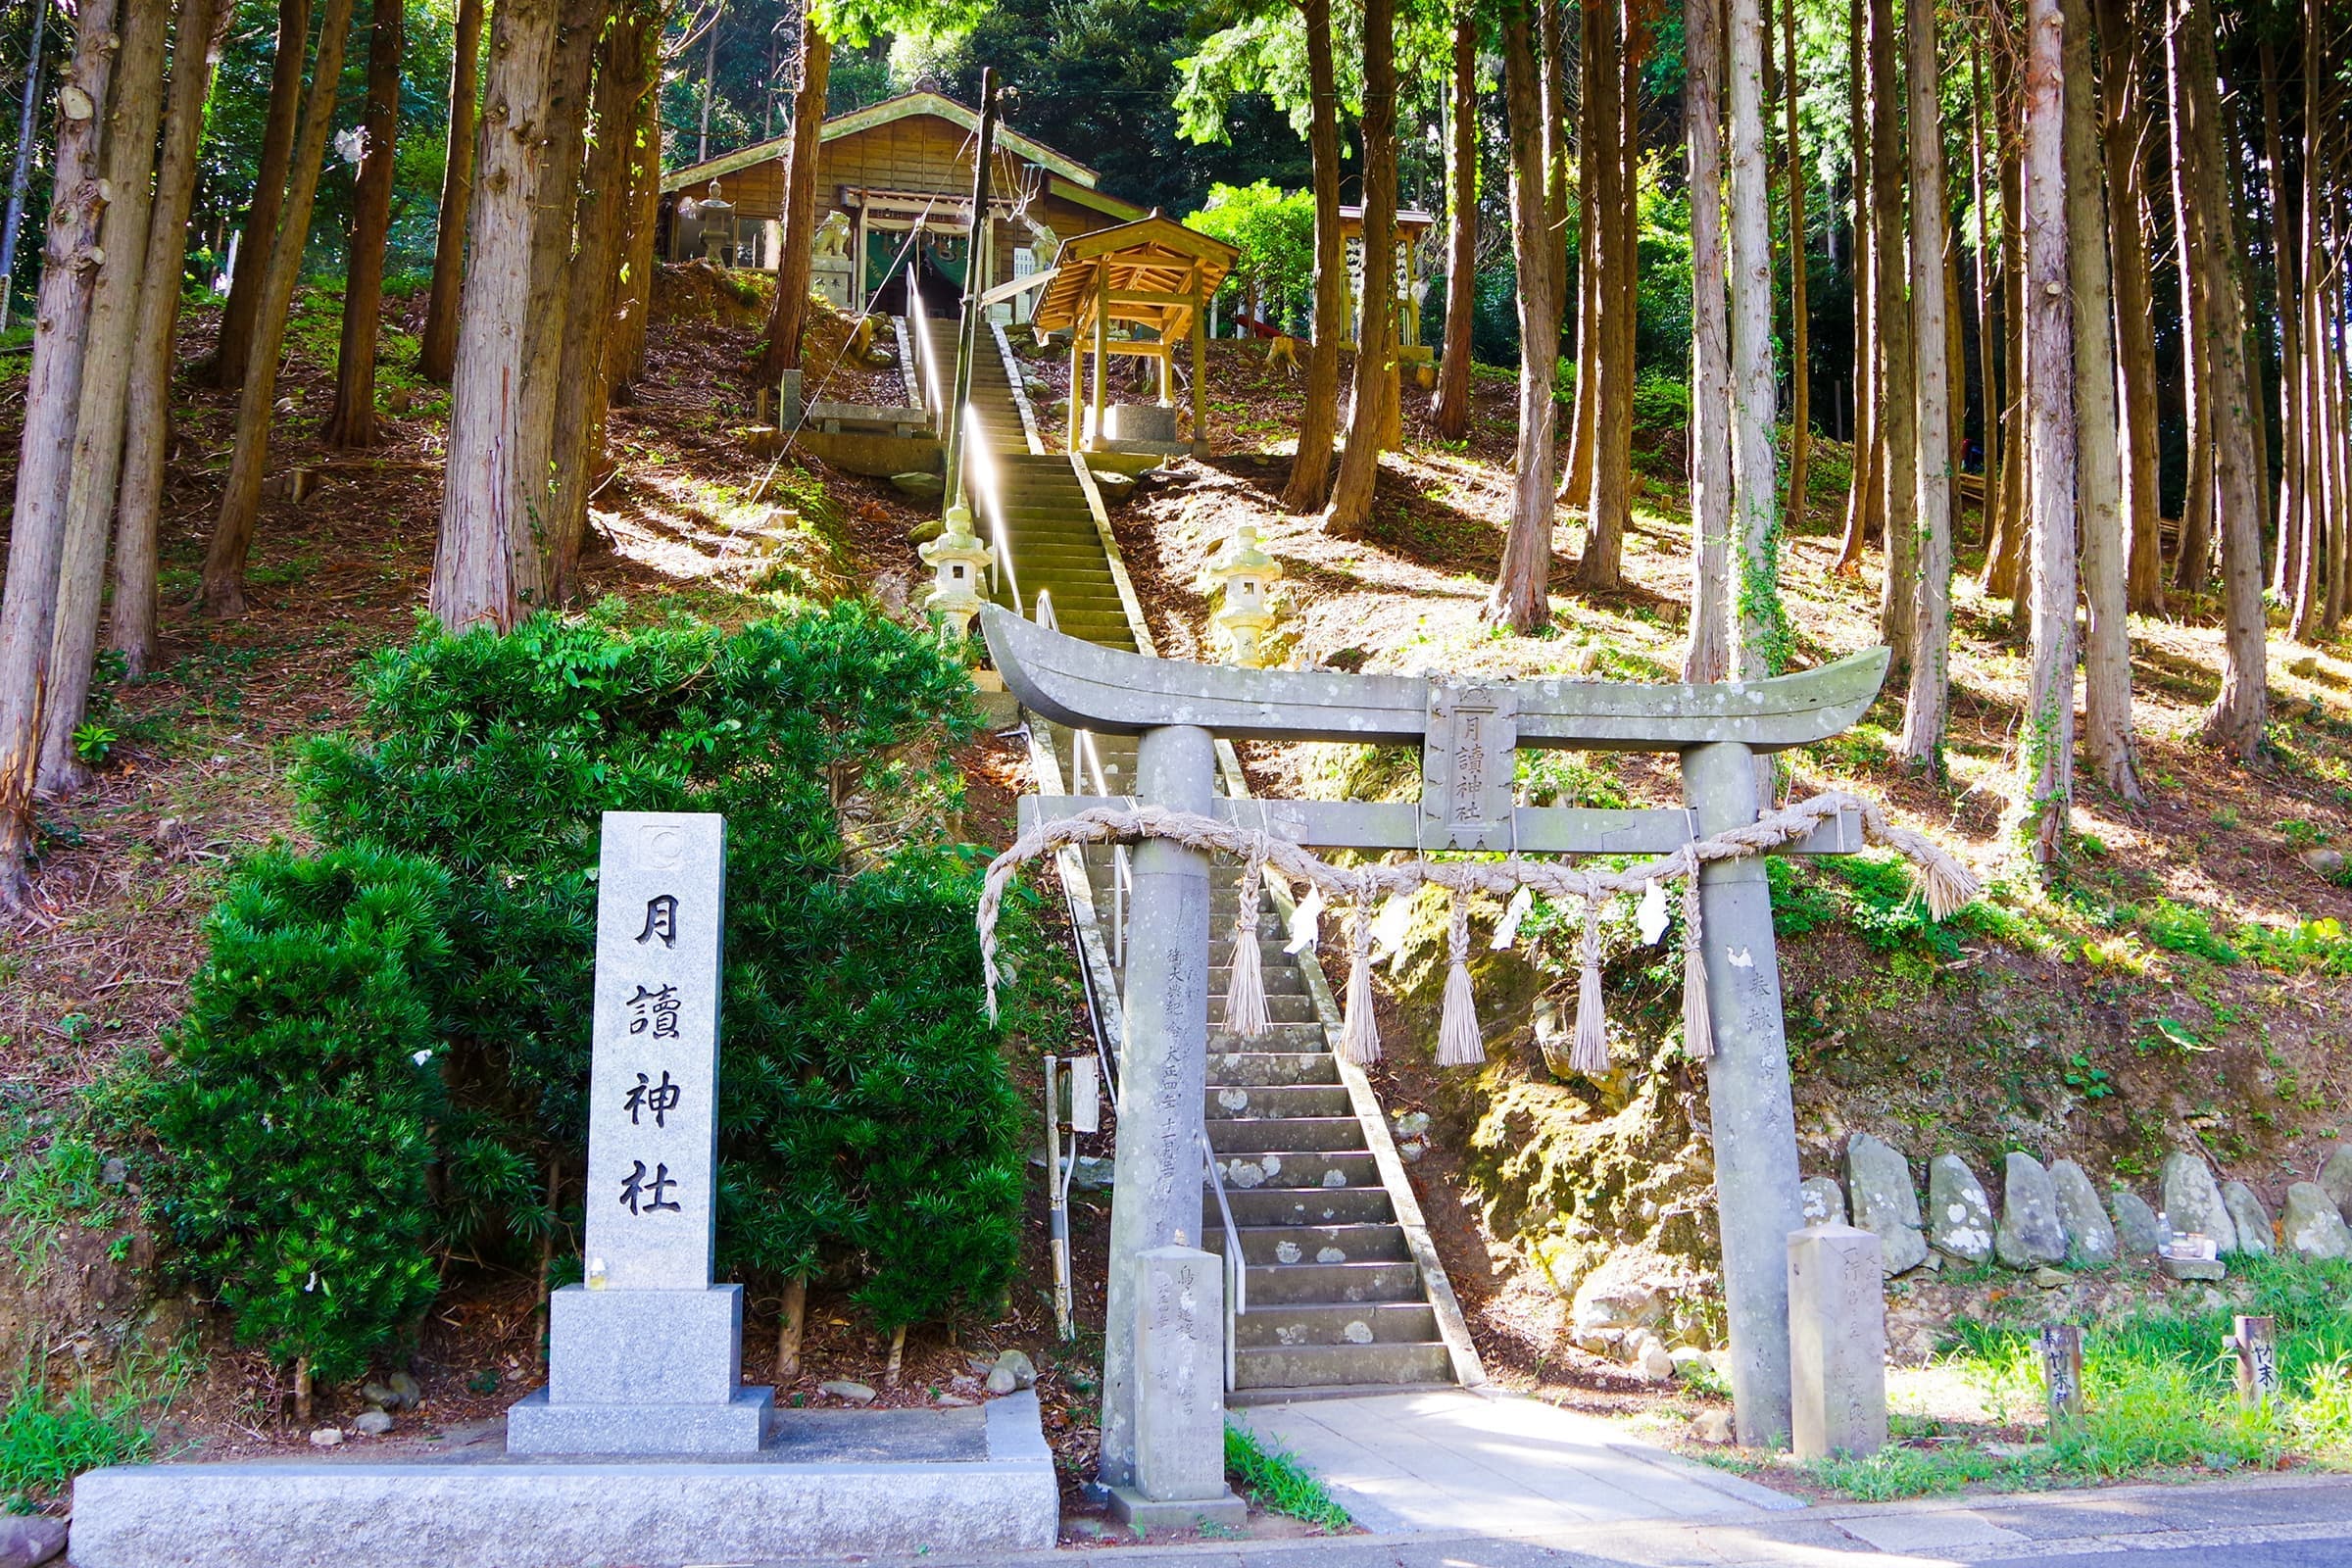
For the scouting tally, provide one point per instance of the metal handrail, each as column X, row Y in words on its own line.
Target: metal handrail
column 1086, row 757
column 1237, row 1269
column 986, row 486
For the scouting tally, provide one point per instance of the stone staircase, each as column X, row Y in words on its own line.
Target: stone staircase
column 1345, row 1293
column 1039, row 508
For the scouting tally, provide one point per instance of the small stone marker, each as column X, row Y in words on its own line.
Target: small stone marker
column 1180, row 1394
column 2250, row 1218
column 1959, row 1214
column 2089, row 1234
column 645, row 1356
column 1822, row 1200
column 2137, row 1232
column 1878, row 1183
column 1837, row 1342
column 2312, row 1224
column 2192, row 1201
column 2254, row 1341
column 2061, row 1346
column 2028, row 1235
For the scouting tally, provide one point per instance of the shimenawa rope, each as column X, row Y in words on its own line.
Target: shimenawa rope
column 1944, row 881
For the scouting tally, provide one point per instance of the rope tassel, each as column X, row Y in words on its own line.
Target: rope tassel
column 1591, row 1052
column 1459, row 1044
column 1698, row 1024
column 1245, row 985
column 1359, row 1035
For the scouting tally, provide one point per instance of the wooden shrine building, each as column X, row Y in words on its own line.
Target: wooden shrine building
column 894, row 184
column 1137, row 290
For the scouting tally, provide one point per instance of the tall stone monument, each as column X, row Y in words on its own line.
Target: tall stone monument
column 644, row 1356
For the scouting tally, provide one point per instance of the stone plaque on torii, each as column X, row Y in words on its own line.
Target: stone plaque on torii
column 1469, row 733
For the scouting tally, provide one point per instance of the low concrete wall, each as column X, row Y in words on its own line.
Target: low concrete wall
column 560, row 1513
column 876, row 456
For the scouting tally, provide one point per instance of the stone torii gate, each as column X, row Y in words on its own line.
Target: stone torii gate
column 1469, row 733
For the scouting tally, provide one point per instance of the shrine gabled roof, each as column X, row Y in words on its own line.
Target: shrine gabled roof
column 1154, row 255
column 905, row 106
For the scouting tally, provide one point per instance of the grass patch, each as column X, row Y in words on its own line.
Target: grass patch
column 1277, row 1482
column 53, row 1181
column 46, row 1440
column 2159, row 1396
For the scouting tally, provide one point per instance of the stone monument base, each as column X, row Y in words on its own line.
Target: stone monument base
column 639, row 1431
column 1132, row 1508
column 946, row 1484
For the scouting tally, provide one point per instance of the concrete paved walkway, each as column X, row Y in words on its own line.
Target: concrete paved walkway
column 1449, row 1460
column 2288, row 1521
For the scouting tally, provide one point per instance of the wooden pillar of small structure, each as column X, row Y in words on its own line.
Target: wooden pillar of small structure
column 1199, row 366
column 1102, row 350
column 857, row 263
column 1077, row 397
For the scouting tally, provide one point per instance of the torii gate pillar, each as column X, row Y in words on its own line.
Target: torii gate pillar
column 1163, row 1063
column 1749, row 1106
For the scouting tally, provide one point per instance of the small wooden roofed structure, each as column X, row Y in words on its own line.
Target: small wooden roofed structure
column 1150, row 275
column 1413, row 231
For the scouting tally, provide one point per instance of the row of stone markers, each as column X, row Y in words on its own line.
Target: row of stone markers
column 2051, row 1215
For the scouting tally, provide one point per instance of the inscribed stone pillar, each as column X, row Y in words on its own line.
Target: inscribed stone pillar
column 1755, row 1125
column 1157, row 1185
column 1837, row 1342
column 1180, row 1375
column 644, row 1356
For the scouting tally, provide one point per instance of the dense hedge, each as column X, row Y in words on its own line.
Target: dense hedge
column 391, row 1036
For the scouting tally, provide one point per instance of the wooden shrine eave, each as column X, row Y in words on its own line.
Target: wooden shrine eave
column 1106, row 691
column 1067, row 174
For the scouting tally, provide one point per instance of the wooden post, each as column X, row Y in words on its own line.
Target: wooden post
column 2060, row 1346
column 1077, row 382
column 2254, row 1341
column 1199, row 366
column 1102, row 348
column 857, row 261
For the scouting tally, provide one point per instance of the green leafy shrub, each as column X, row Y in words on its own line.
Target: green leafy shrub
column 299, row 1118
column 860, row 1088
column 2316, row 945
column 867, row 1123
column 2180, row 928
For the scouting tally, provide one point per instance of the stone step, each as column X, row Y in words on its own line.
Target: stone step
column 1309, row 1284
column 1296, row 1205
column 1327, row 1170
column 1271, row 1066
column 1283, row 1039
column 1283, row 1134
column 1280, row 980
column 1360, row 1323
column 1306, row 1366
column 1279, row 1246
column 1274, row 1101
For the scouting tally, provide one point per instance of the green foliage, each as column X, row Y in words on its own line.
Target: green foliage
column 865, row 1115
column 1871, row 894
column 2157, row 1393
column 1274, row 232
column 2181, row 928
column 94, row 742
column 55, row 1180
column 44, row 1444
column 1661, row 400
column 2314, row 946
column 1275, row 1479
column 299, row 1119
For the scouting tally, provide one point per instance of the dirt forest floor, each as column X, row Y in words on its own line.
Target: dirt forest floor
column 688, row 521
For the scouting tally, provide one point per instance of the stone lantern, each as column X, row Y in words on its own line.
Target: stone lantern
column 1248, row 575
column 957, row 560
